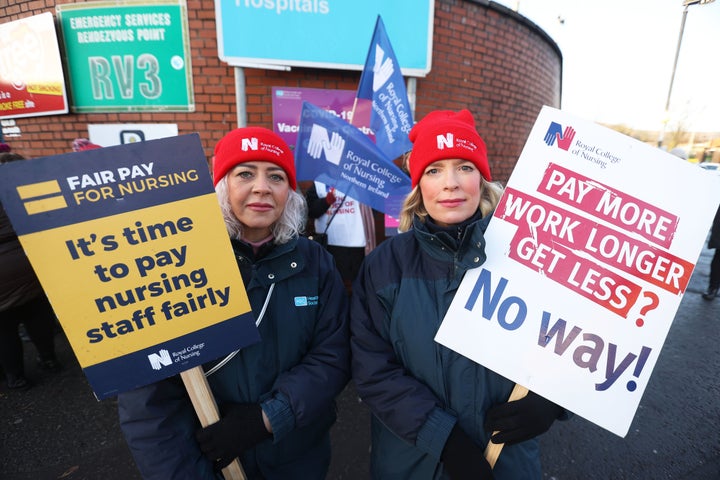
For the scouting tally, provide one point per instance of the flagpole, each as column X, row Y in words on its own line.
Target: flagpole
column 366, row 213
column 352, row 112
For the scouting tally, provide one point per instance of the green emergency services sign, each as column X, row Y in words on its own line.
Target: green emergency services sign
column 127, row 56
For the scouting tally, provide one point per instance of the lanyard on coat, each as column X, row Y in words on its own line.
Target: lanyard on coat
column 257, row 324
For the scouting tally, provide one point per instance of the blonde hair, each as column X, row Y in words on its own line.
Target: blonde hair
column 290, row 224
column 490, row 193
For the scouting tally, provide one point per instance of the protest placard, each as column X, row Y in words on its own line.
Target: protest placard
column 589, row 253
column 131, row 249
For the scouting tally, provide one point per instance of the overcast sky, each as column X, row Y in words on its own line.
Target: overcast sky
column 618, row 59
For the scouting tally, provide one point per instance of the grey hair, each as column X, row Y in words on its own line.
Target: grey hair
column 290, row 224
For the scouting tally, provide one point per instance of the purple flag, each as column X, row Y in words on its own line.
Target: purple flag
column 333, row 152
column 382, row 83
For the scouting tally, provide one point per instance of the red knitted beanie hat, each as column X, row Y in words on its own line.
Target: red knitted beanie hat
column 252, row 144
column 83, row 144
column 443, row 135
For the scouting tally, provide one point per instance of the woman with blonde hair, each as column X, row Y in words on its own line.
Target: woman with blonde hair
column 433, row 410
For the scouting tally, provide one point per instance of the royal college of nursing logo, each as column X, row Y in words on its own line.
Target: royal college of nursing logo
column 160, row 359
column 555, row 133
column 320, row 142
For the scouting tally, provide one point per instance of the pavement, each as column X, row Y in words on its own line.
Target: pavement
column 675, row 434
column 58, row 430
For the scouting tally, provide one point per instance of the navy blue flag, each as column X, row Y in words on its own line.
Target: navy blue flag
column 382, row 82
column 335, row 153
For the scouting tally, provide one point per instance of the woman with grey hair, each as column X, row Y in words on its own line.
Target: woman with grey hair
column 276, row 397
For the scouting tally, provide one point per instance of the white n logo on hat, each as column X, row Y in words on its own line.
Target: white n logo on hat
column 249, row 144
column 444, row 141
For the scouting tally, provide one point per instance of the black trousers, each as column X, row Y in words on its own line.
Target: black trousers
column 715, row 270
column 39, row 320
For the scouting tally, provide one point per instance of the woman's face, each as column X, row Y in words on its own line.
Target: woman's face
column 258, row 193
column 451, row 191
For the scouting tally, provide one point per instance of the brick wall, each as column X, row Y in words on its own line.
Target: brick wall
column 486, row 58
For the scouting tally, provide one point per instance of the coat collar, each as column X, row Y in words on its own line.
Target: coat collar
column 468, row 252
column 273, row 262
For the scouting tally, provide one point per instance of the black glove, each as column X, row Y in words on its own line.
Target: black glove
column 240, row 427
column 463, row 459
column 521, row 419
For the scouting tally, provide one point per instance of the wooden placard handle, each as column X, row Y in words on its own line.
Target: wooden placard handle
column 492, row 451
column 207, row 411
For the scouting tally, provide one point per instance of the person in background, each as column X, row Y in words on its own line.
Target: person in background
column 82, row 144
column 22, row 301
column 276, row 397
column 714, row 242
column 348, row 224
column 433, row 410
column 680, row 153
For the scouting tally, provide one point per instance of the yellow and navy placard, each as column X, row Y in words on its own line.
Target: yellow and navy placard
column 132, row 251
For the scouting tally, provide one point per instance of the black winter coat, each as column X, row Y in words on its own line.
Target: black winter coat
column 714, row 241
column 18, row 282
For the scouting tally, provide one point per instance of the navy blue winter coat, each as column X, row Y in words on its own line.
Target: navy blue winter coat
column 416, row 388
column 301, row 364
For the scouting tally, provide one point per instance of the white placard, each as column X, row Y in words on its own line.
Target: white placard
column 110, row 134
column 589, row 254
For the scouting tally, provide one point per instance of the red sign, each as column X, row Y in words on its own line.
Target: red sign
column 31, row 75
